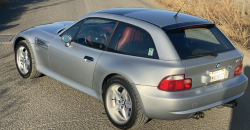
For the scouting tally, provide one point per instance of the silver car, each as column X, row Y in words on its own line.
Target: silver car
column 142, row 63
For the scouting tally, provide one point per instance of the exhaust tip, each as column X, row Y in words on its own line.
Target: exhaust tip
column 202, row 115
column 198, row 115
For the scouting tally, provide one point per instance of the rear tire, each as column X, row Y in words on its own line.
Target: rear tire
column 25, row 62
column 117, row 105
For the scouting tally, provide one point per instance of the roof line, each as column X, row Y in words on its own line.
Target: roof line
column 132, row 18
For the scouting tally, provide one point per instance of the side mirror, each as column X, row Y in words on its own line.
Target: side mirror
column 67, row 39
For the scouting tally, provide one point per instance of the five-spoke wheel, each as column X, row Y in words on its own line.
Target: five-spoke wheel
column 122, row 104
column 23, row 59
column 119, row 103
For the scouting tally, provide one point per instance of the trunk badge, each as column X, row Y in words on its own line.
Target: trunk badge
column 218, row 65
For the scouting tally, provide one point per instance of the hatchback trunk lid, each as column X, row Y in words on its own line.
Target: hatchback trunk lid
column 207, row 54
column 200, row 69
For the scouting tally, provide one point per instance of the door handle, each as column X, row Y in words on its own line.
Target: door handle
column 88, row 58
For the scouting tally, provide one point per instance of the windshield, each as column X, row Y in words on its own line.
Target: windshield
column 201, row 40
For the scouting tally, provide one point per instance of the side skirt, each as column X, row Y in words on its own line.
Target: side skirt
column 70, row 83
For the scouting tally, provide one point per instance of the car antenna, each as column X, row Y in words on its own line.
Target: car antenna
column 175, row 16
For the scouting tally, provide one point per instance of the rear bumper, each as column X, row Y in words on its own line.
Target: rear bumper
column 183, row 104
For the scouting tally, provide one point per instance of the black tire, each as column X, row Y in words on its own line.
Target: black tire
column 32, row 72
column 137, row 117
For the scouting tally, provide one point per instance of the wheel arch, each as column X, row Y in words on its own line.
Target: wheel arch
column 32, row 73
column 107, row 77
column 105, row 80
column 20, row 38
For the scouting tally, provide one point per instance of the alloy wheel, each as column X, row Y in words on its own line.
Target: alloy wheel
column 118, row 103
column 23, row 60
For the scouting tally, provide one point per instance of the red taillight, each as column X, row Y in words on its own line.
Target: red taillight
column 175, row 82
column 238, row 70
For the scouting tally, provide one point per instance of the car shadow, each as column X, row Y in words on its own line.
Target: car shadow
column 12, row 97
column 241, row 114
column 12, row 10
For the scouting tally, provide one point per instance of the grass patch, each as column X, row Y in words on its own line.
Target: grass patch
column 223, row 13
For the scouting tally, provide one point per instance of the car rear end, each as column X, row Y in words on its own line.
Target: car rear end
column 213, row 74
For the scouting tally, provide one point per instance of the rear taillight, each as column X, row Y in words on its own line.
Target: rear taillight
column 175, row 83
column 238, row 70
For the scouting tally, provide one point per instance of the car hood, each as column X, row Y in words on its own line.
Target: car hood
column 56, row 27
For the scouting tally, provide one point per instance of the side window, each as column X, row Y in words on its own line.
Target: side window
column 73, row 30
column 96, row 32
column 134, row 41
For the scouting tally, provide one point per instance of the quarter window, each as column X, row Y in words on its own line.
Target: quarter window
column 134, row 41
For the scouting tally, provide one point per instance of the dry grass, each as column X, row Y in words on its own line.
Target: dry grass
column 227, row 17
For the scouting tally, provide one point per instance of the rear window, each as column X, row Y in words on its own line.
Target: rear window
column 196, row 41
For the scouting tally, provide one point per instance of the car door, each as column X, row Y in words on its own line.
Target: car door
column 77, row 62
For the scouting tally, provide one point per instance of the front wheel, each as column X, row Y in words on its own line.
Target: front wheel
column 25, row 60
column 121, row 104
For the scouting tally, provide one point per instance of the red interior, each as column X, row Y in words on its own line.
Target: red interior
column 109, row 29
column 129, row 34
column 125, row 37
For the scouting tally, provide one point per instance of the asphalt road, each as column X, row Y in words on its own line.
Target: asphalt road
column 44, row 103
